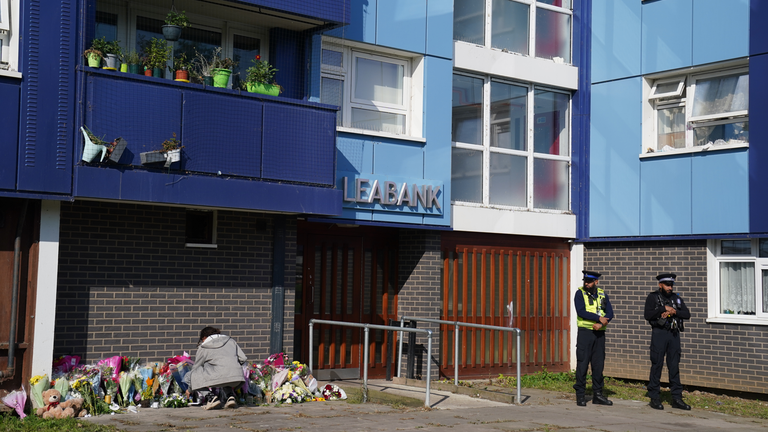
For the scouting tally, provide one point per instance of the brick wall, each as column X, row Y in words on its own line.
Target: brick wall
column 128, row 285
column 420, row 290
column 731, row 357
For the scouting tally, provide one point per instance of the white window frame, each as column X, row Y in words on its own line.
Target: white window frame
column 412, row 80
column 533, row 5
column 529, row 153
column 714, row 258
column 9, row 38
column 684, row 97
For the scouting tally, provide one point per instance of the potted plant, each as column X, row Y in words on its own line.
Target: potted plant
column 170, row 153
column 181, row 68
column 259, row 78
column 96, row 52
column 174, row 22
column 94, row 145
column 112, row 53
column 158, row 52
column 134, row 62
column 203, row 67
column 221, row 69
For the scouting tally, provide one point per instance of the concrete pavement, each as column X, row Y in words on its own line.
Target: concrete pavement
column 540, row 411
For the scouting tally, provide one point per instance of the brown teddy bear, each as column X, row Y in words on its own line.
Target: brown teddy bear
column 54, row 408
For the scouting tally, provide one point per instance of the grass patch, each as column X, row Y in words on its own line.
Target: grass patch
column 633, row 390
column 355, row 396
column 32, row 423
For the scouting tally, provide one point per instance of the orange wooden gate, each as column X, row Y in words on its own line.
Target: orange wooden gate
column 480, row 281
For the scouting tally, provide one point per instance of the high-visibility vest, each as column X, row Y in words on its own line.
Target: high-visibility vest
column 595, row 308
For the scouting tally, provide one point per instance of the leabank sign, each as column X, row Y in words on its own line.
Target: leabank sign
column 374, row 192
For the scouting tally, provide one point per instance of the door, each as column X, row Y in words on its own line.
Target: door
column 348, row 276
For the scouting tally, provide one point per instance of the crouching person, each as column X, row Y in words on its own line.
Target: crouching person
column 218, row 364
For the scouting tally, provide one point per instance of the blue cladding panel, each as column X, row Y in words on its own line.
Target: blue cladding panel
column 237, row 150
column 666, row 35
column 731, row 37
column 720, row 201
column 440, row 29
column 285, row 48
column 315, row 50
column 362, row 24
column 615, row 39
column 183, row 189
column 438, row 77
column 401, row 160
column 9, row 138
column 354, row 154
column 758, row 31
column 614, row 176
column 402, row 24
column 665, row 196
column 143, row 114
column 299, row 144
column 326, row 10
column 758, row 146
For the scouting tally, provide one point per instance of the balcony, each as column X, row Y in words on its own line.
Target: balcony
column 241, row 150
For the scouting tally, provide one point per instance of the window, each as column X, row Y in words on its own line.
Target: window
column 739, row 280
column 700, row 111
column 511, row 144
column 9, row 38
column 201, row 228
column 537, row 28
column 373, row 90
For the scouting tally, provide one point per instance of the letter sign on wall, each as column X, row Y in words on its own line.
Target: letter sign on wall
column 407, row 195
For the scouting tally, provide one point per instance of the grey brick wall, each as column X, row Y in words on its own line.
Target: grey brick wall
column 732, row 357
column 420, row 291
column 127, row 285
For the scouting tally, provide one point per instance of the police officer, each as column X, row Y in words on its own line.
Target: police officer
column 665, row 311
column 594, row 311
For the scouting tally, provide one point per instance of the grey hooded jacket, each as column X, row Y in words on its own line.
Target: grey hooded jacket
column 218, row 362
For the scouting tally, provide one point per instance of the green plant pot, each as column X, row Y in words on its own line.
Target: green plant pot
column 94, row 60
column 261, row 88
column 158, row 72
column 123, row 67
column 221, row 77
column 135, row 69
column 208, row 81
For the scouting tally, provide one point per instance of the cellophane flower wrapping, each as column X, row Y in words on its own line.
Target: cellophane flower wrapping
column 276, row 360
column 165, row 382
column 332, row 392
column 115, row 363
column 174, row 401
column 126, row 386
column 16, row 400
column 179, row 372
column 62, row 385
column 146, row 374
column 279, row 378
column 38, row 384
column 66, row 363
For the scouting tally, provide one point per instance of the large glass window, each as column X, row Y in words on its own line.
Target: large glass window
column 740, row 280
column 508, row 25
column 711, row 111
column 9, row 37
column 493, row 161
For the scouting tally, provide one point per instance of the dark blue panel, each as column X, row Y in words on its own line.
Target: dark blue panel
column 222, row 134
column 286, row 55
column 758, row 144
column 582, row 58
column 142, row 113
column 182, row 189
column 47, row 59
column 299, row 144
column 758, row 31
column 336, row 11
column 9, row 137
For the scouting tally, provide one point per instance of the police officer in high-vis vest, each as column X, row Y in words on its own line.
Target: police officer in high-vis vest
column 594, row 312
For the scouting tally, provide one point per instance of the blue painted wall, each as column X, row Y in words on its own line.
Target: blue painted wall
column 758, row 109
column 720, row 30
column 9, row 138
column 336, row 11
column 616, row 30
column 665, row 196
column 720, row 192
column 666, row 35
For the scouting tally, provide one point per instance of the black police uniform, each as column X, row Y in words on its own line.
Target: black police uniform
column 665, row 341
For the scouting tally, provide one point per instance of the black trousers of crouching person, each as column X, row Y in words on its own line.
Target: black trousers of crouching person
column 665, row 343
column 590, row 349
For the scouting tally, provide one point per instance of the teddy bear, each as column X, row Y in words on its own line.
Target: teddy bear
column 54, row 408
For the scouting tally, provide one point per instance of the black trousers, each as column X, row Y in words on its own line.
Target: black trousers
column 665, row 343
column 590, row 348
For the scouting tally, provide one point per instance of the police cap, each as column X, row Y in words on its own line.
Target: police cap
column 590, row 275
column 667, row 278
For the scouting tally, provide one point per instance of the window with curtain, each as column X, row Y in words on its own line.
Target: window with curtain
column 741, row 279
column 711, row 111
column 511, row 144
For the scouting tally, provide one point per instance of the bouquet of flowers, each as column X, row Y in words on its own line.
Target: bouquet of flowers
column 38, row 384
column 128, row 364
column 276, row 360
column 288, row 393
column 165, row 382
column 149, row 391
column 16, row 400
column 332, row 392
column 175, row 401
column 126, row 387
column 62, row 385
column 110, row 385
column 146, row 374
column 65, row 363
column 111, row 364
column 138, row 385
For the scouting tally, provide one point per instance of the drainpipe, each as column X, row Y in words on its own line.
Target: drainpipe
column 9, row 372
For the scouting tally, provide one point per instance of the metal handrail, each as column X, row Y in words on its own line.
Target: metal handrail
column 365, row 350
column 456, row 325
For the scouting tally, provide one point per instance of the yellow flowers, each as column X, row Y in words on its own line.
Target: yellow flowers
column 36, row 379
column 80, row 383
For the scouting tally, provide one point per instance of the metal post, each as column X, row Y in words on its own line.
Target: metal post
column 311, row 324
column 411, row 352
column 390, row 334
column 518, row 366
column 400, row 351
column 429, row 365
column 456, row 354
column 365, row 367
